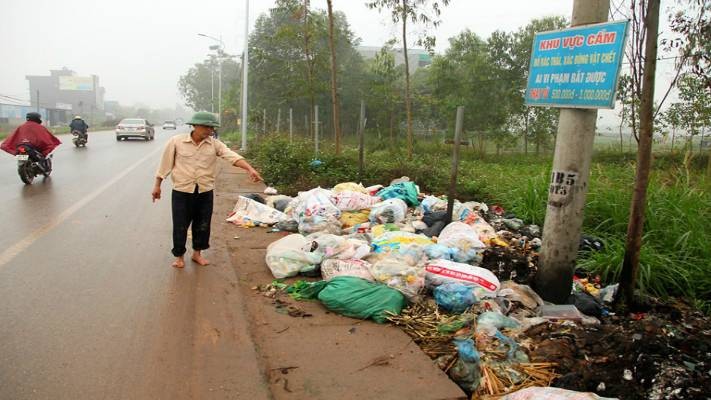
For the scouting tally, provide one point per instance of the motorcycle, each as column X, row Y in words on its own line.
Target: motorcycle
column 79, row 139
column 31, row 163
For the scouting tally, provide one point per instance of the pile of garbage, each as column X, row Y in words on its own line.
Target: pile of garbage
column 458, row 288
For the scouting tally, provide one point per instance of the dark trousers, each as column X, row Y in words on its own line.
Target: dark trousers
column 195, row 208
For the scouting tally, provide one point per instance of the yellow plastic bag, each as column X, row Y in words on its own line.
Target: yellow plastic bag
column 352, row 218
column 349, row 187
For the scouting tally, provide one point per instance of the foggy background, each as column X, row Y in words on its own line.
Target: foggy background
column 139, row 49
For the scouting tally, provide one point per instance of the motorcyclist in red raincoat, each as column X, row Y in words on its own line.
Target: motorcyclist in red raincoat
column 33, row 133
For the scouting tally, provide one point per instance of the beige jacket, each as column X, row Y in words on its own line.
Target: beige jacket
column 191, row 164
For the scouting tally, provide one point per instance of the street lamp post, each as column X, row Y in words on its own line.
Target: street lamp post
column 221, row 50
column 245, row 69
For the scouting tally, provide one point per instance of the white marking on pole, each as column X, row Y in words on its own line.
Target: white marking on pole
column 17, row 248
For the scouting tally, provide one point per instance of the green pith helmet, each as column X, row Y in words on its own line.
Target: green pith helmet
column 204, row 118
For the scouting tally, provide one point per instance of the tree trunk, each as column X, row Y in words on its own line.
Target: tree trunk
column 538, row 144
column 673, row 137
column 408, row 105
column 392, row 126
column 630, row 264
column 701, row 142
column 309, row 66
column 334, row 92
column 481, row 143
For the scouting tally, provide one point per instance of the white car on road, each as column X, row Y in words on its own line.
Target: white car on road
column 135, row 127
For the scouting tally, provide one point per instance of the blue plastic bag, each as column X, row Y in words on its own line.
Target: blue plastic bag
column 466, row 370
column 455, row 297
column 406, row 191
column 440, row 252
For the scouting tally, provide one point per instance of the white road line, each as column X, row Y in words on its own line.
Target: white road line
column 17, row 248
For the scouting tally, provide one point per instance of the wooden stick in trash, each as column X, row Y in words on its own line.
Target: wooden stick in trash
column 455, row 165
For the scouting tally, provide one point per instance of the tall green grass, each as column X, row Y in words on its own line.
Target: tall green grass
column 676, row 247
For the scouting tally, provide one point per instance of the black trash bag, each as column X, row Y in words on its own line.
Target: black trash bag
column 431, row 218
column 586, row 304
column 282, row 204
column 256, row 197
column 590, row 243
column 288, row 225
column 434, row 229
column 531, row 231
column 312, row 273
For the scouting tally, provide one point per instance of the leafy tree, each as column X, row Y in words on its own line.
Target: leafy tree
column 692, row 23
column 290, row 50
column 425, row 12
column 334, row 85
column 196, row 86
column 466, row 76
column 644, row 62
column 383, row 94
column 672, row 118
column 696, row 104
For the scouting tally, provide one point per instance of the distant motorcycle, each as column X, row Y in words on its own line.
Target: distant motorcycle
column 79, row 139
column 31, row 163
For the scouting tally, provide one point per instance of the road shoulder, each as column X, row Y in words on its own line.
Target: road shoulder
column 322, row 356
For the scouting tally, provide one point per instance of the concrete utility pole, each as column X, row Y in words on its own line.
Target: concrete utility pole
column 245, row 68
column 38, row 100
column 278, row 120
column 219, row 81
column 571, row 166
column 212, row 89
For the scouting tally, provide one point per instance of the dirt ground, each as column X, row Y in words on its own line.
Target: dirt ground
column 662, row 353
column 305, row 352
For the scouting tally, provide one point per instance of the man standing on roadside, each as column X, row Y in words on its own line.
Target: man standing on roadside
column 192, row 161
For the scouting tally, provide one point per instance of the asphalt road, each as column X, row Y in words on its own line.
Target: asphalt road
column 89, row 307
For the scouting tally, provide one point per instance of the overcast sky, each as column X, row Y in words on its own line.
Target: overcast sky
column 139, row 48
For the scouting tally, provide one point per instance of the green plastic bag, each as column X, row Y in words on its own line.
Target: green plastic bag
column 406, row 191
column 359, row 298
column 303, row 290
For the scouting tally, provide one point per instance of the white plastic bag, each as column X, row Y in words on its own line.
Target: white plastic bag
column 286, row 257
column 316, row 213
column 337, row 247
column 396, row 273
column 484, row 231
column 552, row 393
column 465, row 239
column 248, row 212
column 432, row 204
column 394, row 240
column 441, row 271
column 388, row 211
column 358, row 268
column 317, row 202
column 354, row 201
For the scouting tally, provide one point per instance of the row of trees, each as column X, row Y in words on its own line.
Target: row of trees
column 290, row 65
column 301, row 57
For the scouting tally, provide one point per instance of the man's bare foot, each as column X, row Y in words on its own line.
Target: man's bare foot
column 179, row 262
column 198, row 258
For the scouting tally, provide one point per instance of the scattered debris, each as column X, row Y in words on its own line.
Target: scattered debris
column 491, row 333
